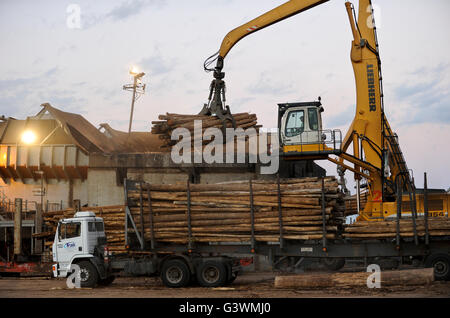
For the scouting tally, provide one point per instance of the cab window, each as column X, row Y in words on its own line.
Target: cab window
column 295, row 123
column 312, row 118
column 95, row 227
column 69, row 230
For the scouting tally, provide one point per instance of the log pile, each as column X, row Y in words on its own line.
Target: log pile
column 113, row 216
column 437, row 226
column 222, row 212
column 409, row 277
column 351, row 205
column 169, row 122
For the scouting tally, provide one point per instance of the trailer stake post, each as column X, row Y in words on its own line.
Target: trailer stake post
column 252, row 215
column 399, row 210
column 280, row 214
column 141, row 214
column 150, row 211
column 324, row 227
column 425, row 207
column 188, row 192
column 125, row 188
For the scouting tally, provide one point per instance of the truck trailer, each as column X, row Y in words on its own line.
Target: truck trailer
column 80, row 249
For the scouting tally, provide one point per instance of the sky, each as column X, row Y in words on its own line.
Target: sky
column 46, row 57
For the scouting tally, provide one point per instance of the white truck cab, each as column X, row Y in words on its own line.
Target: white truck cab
column 81, row 240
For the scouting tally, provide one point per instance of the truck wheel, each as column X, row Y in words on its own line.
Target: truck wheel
column 88, row 274
column 231, row 278
column 212, row 274
column 441, row 265
column 334, row 263
column 107, row 281
column 175, row 273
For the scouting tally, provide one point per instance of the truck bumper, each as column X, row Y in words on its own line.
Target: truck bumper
column 55, row 270
column 58, row 271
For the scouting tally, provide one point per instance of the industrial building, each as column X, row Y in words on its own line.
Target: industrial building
column 56, row 159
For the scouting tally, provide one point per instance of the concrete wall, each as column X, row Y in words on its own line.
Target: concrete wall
column 55, row 191
column 102, row 188
column 208, row 177
column 157, row 177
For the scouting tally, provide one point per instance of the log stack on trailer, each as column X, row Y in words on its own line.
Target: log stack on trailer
column 437, row 226
column 243, row 211
column 351, row 206
column 221, row 212
column 240, row 211
column 169, row 122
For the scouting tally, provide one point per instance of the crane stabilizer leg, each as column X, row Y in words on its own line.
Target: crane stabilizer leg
column 216, row 101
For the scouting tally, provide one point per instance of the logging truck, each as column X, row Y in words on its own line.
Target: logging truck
column 80, row 252
column 181, row 256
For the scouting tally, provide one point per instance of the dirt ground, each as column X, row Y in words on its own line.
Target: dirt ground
column 249, row 285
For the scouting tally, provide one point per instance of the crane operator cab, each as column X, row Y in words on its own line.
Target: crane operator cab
column 301, row 133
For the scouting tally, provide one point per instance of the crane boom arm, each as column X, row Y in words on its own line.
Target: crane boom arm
column 273, row 16
column 216, row 101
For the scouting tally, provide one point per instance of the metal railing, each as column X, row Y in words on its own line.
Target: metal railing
column 326, row 141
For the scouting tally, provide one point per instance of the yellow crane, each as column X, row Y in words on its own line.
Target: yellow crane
column 376, row 155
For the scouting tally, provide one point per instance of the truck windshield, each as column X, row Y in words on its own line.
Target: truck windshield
column 69, row 230
column 295, row 123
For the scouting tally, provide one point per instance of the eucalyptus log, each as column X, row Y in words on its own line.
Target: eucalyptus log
column 329, row 280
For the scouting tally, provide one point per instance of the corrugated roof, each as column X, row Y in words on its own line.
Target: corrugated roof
column 54, row 126
column 84, row 134
column 135, row 142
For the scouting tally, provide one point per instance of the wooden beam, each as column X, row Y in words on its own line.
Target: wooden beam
column 18, row 227
column 32, row 173
column 40, row 157
column 11, row 175
column 64, row 164
column 66, row 174
column 386, row 278
column 27, row 149
column 20, row 175
column 5, row 180
column 77, row 169
column 55, row 173
column 52, row 167
column 49, row 135
column 16, row 167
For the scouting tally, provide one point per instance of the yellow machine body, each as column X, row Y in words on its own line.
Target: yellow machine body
column 375, row 153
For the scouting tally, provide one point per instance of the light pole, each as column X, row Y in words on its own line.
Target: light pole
column 138, row 89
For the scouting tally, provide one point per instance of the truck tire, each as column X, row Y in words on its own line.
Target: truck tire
column 175, row 273
column 88, row 274
column 231, row 278
column 441, row 264
column 212, row 274
column 107, row 281
column 334, row 263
